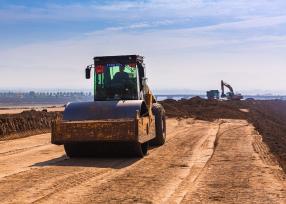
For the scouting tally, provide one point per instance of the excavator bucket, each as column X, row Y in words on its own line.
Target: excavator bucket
column 104, row 122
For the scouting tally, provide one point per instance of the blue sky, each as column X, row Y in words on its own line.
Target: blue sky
column 188, row 44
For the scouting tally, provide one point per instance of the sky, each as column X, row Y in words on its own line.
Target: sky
column 187, row 44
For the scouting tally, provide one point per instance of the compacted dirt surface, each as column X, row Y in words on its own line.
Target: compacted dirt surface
column 219, row 161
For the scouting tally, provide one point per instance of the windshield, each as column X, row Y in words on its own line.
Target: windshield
column 115, row 82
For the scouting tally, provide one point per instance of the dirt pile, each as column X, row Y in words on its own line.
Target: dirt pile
column 268, row 117
column 204, row 109
column 25, row 123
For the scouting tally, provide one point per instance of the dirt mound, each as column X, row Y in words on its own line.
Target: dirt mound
column 268, row 117
column 203, row 109
column 26, row 123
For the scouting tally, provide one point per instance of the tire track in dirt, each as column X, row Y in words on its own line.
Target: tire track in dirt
column 202, row 153
column 19, row 155
column 97, row 178
column 24, row 160
column 34, row 184
column 61, row 193
column 151, row 179
column 17, row 151
column 24, row 143
column 76, row 179
column 223, row 161
column 236, row 173
column 38, row 184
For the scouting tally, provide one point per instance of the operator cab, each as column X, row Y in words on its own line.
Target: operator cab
column 118, row 77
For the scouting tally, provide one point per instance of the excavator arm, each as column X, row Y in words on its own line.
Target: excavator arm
column 224, row 84
column 230, row 95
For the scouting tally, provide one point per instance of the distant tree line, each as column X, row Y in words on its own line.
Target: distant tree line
column 33, row 94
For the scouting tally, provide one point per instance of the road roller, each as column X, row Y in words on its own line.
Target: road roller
column 124, row 118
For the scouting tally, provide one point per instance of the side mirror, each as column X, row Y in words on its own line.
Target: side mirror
column 87, row 73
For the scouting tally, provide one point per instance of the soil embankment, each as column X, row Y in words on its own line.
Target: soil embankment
column 268, row 117
column 26, row 123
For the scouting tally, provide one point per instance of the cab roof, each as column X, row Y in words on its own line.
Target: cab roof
column 118, row 59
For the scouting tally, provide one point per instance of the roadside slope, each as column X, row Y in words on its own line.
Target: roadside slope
column 268, row 117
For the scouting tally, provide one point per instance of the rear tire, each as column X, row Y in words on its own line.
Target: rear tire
column 160, row 125
column 140, row 150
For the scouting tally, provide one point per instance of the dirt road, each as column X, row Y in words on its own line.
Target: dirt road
column 223, row 162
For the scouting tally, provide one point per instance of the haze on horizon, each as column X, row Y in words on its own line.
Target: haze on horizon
column 188, row 45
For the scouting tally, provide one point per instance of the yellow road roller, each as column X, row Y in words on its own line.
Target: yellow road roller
column 124, row 118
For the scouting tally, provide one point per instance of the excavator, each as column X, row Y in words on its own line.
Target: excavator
column 229, row 95
column 124, row 117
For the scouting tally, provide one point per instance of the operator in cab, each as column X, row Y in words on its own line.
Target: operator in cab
column 121, row 83
column 121, row 75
